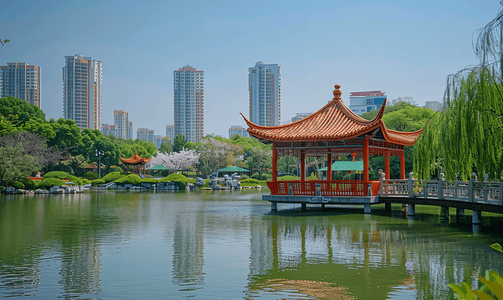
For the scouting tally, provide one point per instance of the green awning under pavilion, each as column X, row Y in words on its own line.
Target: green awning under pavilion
column 233, row 169
column 158, row 167
column 345, row 166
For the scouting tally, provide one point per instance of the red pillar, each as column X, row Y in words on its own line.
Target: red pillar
column 329, row 166
column 402, row 163
column 302, row 166
column 386, row 162
column 274, row 162
column 366, row 159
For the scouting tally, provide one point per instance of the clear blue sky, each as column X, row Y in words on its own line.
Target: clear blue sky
column 405, row 48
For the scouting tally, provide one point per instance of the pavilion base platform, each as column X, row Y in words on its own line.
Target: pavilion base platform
column 366, row 201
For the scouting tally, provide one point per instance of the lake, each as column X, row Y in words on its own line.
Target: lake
column 229, row 245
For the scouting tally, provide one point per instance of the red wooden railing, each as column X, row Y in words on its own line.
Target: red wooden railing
column 327, row 188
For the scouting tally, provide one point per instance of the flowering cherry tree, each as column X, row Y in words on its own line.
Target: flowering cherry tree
column 176, row 160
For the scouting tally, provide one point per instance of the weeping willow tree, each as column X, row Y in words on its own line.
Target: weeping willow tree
column 467, row 135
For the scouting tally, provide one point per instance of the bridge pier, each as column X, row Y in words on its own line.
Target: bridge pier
column 477, row 217
column 460, row 212
column 387, row 208
column 303, row 207
column 411, row 210
column 367, row 209
column 274, row 206
column 444, row 213
column 323, row 206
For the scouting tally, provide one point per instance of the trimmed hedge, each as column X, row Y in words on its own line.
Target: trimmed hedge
column 180, row 180
column 16, row 184
column 57, row 174
column 252, row 182
column 91, row 175
column 86, row 181
column 97, row 182
column 29, row 184
column 288, row 177
column 75, row 180
column 149, row 180
column 48, row 183
column 130, row 179
column 112, row 176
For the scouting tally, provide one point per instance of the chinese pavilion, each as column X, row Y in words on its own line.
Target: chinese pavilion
column 332, row 131
column 137, row 162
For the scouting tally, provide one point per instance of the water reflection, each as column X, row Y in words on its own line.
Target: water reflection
column 363, row 256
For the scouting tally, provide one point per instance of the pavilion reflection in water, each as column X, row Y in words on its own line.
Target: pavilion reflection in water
column 363, row 260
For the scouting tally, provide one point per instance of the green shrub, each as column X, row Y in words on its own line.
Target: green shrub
column 57, row 174
column 255, row 176
column 16, row 184
column 180, row 180
column 130, row 179
column 29, row 184
column 244, row 177
column 97, row 182
column 266, row 177
column 113, row 176
column 48, row 183
column 149, row 180
column 191, row 180
column 91, row 175
column 288, row 177
column 85, row 181
column 75, row 180
column 252, row 182
column 206, row 184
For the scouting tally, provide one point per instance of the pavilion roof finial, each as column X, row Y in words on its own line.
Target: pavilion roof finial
column 337, row 91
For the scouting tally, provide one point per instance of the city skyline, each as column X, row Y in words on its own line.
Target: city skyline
column 405, row 49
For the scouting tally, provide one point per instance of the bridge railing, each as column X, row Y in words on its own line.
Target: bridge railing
column 324, row 188
column 470, row 191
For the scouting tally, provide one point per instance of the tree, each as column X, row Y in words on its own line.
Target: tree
column 388, row 109
column 259, row 160
column 176, row 160
column 179, row 143
column 466, row 136
column 23, row 154
column 19, row 115
column 94, row 143
column 164, row 148
column 67, row 136
column 212, row 154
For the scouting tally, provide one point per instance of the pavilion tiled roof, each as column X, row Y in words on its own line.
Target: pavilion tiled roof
column 135, row 159
column 331, row 123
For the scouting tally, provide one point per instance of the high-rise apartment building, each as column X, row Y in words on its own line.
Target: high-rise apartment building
column 433, row 105
column 22, row 81
column 145, row 134
column 170, row 132
column 188, row 94
column 82, row 91
column 129, row 130
column 107, row 129
column 264, row 86
column 238, row 130
column 362, row 102
column 300, row 116
column 121, row 120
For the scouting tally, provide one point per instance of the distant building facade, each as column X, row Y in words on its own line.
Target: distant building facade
column 238, row 130
column 121, row 121
column 362, row 102
column 22, row 81
column 300, row 116
column 129, row 130
column 170, row 132
column 264, row 87
column 188, row 96
column 433, row 105
column 82, row 91
column 107, row 129
column 145, row 134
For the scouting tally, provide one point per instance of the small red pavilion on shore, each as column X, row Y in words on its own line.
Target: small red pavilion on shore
column 137, row 162
column 333, row 131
